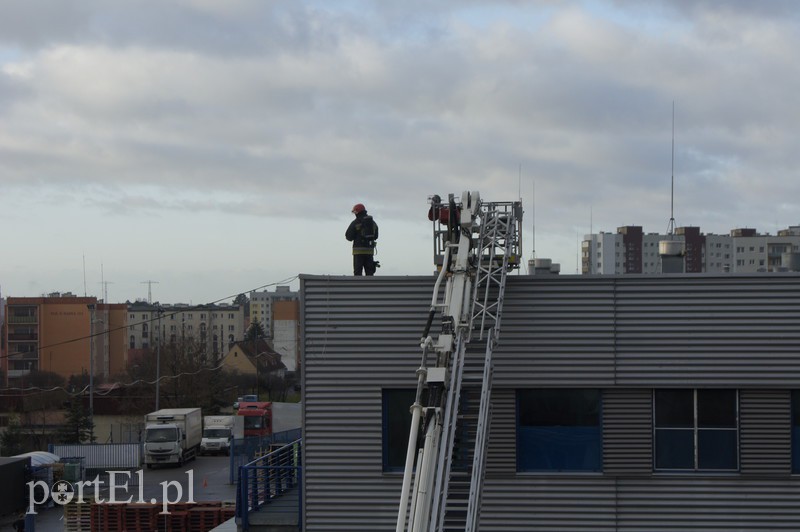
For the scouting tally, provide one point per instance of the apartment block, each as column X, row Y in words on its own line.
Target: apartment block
column 53, row 334
column 744, row 250
column 262, row 307
column 215, row 326
column 286, row 332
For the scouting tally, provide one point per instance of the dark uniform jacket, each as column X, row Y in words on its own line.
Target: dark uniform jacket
column 355, row 234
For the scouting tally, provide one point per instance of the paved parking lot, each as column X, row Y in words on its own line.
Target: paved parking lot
column 209, row 476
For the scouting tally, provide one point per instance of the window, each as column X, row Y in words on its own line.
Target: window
column 696, row 430
column 796, row 431
column 132, row 343
column 396, row 427
column 231, row 328
column 559, row 430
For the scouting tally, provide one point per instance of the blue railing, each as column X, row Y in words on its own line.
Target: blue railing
column 244, row 451
column 272, row 484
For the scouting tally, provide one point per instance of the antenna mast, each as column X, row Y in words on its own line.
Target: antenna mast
column 671, row 226
column 533, row 221
column 149, row 290
column 84, row 275
column 104, row 283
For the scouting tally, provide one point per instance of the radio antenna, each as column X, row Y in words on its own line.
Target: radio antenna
column 671, row 225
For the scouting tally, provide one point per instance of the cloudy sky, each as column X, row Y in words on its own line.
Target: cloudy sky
column 216, row 147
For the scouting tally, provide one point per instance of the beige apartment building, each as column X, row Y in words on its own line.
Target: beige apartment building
column 53, row 334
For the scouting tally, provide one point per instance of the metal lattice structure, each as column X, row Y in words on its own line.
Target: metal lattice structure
column 476, row 244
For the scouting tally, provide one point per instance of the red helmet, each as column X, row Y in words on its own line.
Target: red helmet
column 358, row 207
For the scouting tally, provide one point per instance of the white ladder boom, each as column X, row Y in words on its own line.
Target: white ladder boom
column 475, row 245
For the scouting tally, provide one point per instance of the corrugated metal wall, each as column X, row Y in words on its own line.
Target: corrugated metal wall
column 625, row 335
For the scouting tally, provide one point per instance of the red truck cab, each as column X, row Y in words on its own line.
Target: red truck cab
column 257, row 418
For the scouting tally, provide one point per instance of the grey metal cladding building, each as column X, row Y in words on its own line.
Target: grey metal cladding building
column 626, row 403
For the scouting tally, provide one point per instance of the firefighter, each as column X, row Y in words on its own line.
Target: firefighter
column 363, row 232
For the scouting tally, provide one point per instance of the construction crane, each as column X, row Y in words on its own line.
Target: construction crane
column 476, row 244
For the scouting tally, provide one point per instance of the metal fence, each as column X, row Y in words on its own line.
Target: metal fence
column 127, row 433
column 271, row 486
column 245, row 450
column 114, row 456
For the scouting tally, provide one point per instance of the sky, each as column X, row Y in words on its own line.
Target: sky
column 214, row 148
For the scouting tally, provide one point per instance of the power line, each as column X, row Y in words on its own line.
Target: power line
column 114, row 386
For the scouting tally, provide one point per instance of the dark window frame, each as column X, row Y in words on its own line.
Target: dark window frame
column 795, row 430
column 593, row 437
column 396, row 403
column 696, row 430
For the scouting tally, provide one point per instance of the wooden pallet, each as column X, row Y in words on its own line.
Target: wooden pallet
column 77, row 517
column 140, row 517
column 203, row 519
column 175, row 521
column 107, row 517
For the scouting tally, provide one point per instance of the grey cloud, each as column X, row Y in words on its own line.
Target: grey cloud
column 280, row 100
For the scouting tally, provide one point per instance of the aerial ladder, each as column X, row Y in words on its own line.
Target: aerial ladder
column 476, row 244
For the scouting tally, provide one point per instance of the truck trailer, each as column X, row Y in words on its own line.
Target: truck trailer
column 263, row 418
column 172, row 436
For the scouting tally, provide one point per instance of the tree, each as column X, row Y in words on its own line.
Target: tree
column 189, row 377
column 11, row 442
column 255, row 331
column 78, row 426
column 43, row 379
column 243, row 302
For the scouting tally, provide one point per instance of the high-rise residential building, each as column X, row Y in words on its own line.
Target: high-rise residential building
column 53, row 334
column 286, row 331
column 744, row 250
column 262, row 307
column 215, row 326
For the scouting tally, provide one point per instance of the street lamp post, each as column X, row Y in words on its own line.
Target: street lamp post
column 255, row 351
column 255, row 360
column 160, row 311
column 91, row 370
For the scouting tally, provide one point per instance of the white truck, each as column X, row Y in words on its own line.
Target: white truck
column 219, row 432
column 172, row 436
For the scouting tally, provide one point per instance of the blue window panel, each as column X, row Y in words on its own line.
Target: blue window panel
column 559, row 448
column 396, row 427
column 795, row 449
column 674, row 449
column 716, row 449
